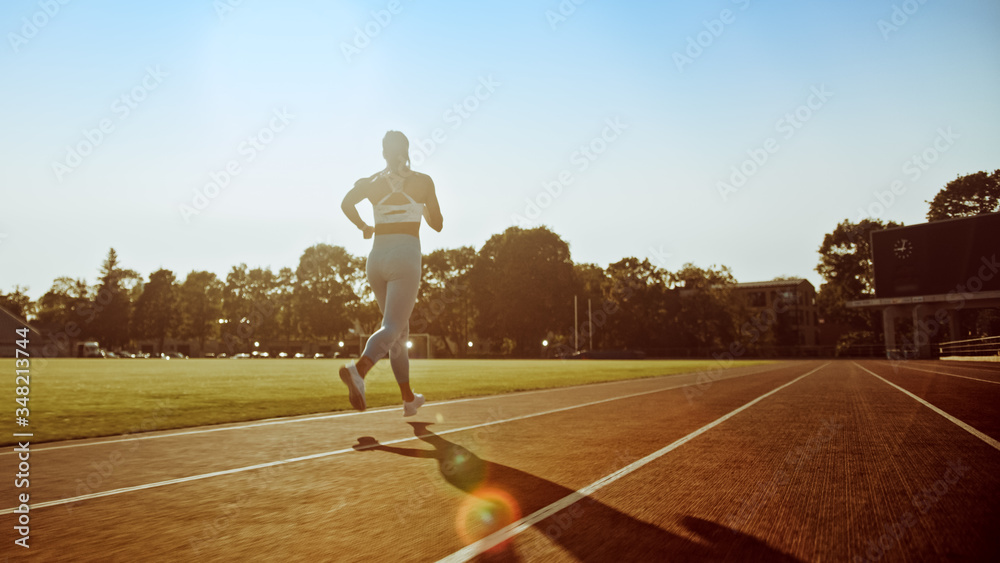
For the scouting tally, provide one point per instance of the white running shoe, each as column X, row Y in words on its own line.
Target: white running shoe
column 410, row 408
column 355, row 385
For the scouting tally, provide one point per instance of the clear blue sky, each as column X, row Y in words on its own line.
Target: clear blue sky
column 202, row 80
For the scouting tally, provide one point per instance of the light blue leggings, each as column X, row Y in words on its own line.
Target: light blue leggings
column 394, row 274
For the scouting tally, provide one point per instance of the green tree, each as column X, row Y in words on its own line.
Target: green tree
column 522, row 286
column 965, row 196
column 262, row 293
column 18, row 302
column 63, row 306
column 156, row 314
column 443, row 306
column 110, row 311
column 200, row 304
column 237, row 311
column 709, row 311
column 286, row 315
column 324, row 294
column 636, row 302
column 847, row 270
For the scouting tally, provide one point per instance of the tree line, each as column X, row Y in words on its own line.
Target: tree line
column 515, row 292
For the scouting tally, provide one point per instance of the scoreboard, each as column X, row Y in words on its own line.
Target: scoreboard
column 955, row 255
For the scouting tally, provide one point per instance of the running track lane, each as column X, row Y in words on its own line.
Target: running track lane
column 95, row 467
column 976, row 403
column 414, row 489
column 838, row 466
column 378, row 504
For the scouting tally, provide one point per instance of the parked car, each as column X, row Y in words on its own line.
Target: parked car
column 241, row 356
column 605, row 355
column 300, row 355
column 89, row 350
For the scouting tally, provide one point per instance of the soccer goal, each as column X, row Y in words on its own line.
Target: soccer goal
column 419, row 344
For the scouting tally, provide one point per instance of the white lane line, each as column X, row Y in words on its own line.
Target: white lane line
column 955, row 421
column 321, row 455
column 965, row 365
column 295, row 420
column 483, row 545
column 952, row 374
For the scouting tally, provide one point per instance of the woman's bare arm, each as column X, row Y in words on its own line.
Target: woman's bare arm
column 432, row 210
column 349, row 205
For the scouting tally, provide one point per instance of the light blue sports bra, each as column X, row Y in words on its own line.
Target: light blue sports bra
column 397, row 213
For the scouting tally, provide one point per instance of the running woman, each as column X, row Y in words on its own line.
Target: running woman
column 400, row 197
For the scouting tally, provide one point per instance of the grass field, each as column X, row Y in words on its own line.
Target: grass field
column 73, row 398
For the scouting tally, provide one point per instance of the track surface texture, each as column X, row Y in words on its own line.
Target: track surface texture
column 793, row 461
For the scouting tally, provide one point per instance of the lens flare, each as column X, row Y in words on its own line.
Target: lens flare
column 485, row 511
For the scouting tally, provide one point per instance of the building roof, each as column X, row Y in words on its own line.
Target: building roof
column 772, row 284
column 6, row 317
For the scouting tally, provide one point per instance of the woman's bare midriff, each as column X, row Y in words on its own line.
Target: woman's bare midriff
column 398, row 229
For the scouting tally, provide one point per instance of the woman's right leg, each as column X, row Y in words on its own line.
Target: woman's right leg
column 397, row 305
column 399, row 359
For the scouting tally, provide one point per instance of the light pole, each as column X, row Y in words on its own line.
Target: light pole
column 576, row 327
column 590, row 325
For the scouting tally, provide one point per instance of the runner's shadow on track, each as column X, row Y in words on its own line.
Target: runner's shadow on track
column 588, row 529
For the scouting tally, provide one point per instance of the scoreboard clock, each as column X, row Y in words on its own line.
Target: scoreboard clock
column 937, row 258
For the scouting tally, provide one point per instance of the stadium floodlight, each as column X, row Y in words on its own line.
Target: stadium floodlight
column 409, row 344
column 341, row 343
column 545, row 343
column 256, row 344
column 470, row 344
